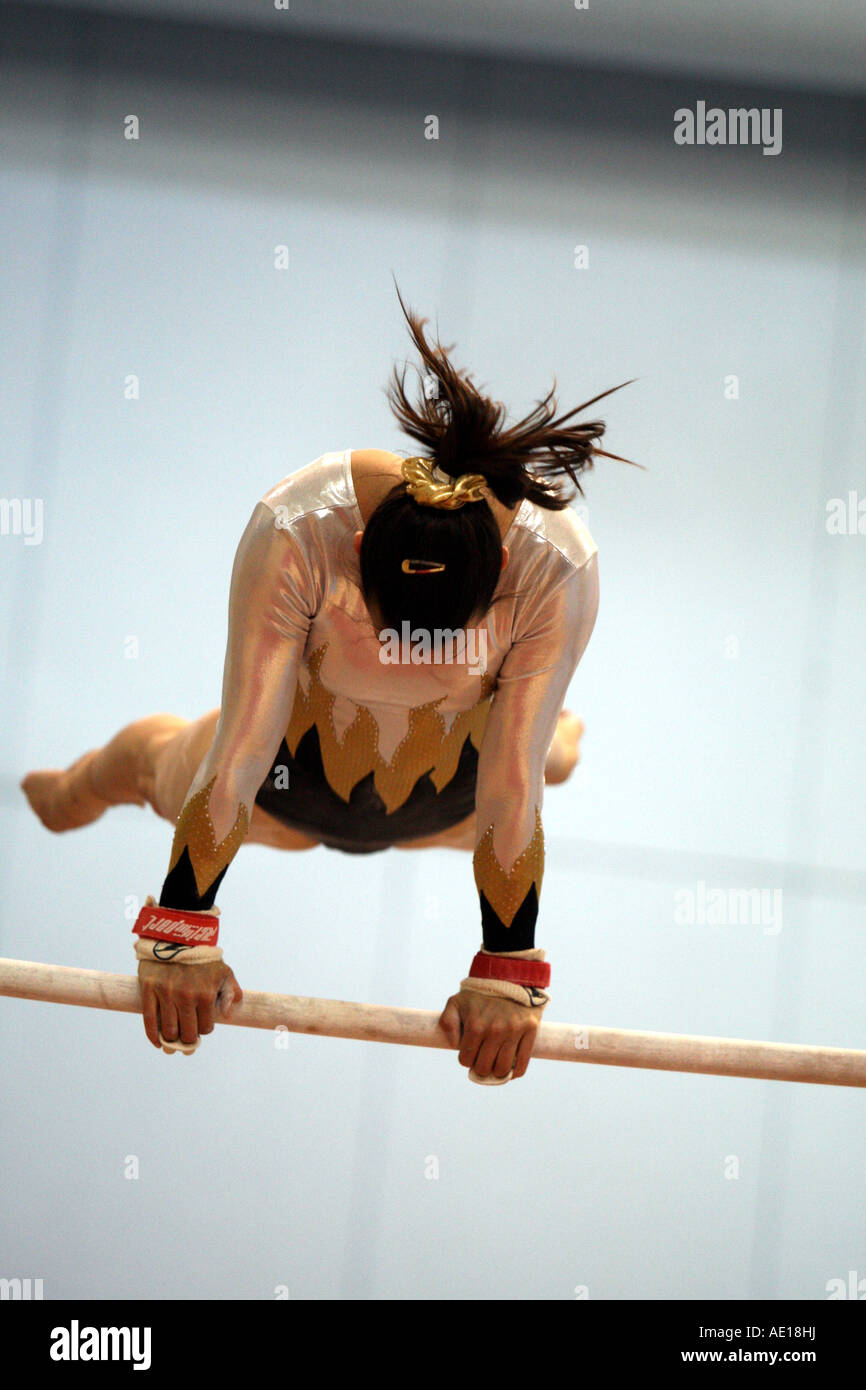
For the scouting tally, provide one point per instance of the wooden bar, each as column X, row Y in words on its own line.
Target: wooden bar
column 561, row 1042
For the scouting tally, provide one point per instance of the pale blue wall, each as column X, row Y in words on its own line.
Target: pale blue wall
column 307, row 1167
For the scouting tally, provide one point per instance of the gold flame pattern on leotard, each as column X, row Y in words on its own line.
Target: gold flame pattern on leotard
column 426, row 747
column 506, row 892
column 195, row 832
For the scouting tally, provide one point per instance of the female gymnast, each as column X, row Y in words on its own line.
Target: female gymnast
column 402, row 633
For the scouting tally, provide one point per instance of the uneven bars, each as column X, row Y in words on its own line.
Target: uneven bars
column 560, row 1042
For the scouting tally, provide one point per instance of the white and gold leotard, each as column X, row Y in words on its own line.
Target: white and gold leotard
column 363, row 752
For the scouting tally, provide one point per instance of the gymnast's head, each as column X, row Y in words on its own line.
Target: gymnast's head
column 431, row 553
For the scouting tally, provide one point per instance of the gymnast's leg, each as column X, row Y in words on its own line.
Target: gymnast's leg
column 564, row 752
column 151, row 762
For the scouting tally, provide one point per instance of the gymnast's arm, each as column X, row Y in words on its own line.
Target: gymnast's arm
column 530, row 690
column 271, row 604
column 509, row 854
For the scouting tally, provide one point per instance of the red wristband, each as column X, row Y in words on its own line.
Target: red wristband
column 172, row 924
column 534, row 973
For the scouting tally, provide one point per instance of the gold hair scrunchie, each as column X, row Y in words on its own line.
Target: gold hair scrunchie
column 430, row 491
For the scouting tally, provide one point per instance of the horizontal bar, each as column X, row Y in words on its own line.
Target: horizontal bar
column 560, row 1042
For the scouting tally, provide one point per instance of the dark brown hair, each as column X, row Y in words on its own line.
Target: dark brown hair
column 464, row 431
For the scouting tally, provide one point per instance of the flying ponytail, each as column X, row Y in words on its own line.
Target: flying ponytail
column 464, row 431
column 436, row 567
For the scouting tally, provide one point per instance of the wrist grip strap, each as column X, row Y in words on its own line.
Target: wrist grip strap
column 180, row 926
column 532, row 973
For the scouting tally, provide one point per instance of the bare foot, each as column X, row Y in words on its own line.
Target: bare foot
column 64, row 799
column 564, row 752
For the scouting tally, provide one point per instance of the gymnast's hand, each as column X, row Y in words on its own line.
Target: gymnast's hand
column 494, row 1035
column 182, row 1001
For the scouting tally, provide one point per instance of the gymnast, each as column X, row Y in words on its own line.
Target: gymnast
column 346, row 722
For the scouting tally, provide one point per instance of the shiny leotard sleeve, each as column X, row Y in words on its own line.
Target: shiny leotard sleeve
column 530, row 690
column 273, row 595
